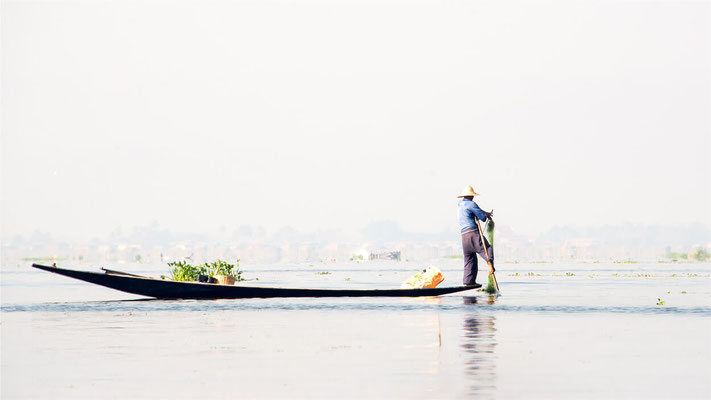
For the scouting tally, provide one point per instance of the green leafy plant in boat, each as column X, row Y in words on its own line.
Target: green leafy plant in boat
column 182, row 271
column 220, row 267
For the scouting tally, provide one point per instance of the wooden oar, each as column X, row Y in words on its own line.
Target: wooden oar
column 483, row 243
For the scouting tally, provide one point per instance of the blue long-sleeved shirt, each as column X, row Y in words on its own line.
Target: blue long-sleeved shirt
column 468, row 211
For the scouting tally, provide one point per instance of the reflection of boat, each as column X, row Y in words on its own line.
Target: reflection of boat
column 167, row 289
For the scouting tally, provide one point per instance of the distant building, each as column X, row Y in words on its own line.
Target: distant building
column 391, row 255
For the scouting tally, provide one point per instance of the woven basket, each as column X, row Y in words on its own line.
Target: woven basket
column 225, row 279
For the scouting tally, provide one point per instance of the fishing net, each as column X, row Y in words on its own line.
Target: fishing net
column 489, row 231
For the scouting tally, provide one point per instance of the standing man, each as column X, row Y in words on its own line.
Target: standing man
column 471, row 239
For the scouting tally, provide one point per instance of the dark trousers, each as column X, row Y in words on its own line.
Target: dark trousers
column 471, row 245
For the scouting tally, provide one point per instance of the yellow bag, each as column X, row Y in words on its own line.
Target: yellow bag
column 428, row 278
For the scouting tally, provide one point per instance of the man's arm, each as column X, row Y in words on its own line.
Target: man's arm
column 479, row 213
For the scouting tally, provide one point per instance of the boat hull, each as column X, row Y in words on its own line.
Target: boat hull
column 167, row 289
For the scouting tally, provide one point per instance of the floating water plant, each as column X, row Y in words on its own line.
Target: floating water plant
column 569, row 274
column 54, row 258
column 530, row 274
column 516, row 274
column 697, row 255
column 660, row 302
column 323, row 273
column 683, row 292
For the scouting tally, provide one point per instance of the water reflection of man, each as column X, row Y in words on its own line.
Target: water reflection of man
column 469, row 211
column 479, row 343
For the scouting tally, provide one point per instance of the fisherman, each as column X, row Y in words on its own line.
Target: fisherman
column 471, row 238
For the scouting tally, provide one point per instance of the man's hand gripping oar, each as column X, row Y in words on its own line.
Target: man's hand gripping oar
column 491, row 266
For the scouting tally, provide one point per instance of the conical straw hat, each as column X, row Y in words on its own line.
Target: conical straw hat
column 468, row 191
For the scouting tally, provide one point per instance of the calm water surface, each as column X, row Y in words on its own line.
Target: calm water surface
column 559, row 331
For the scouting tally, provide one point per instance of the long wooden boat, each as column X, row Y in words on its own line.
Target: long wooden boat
column 167, row 289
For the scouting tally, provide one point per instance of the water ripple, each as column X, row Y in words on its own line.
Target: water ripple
column 469, row 304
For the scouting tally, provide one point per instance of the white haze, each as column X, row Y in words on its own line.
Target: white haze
column 334, row 114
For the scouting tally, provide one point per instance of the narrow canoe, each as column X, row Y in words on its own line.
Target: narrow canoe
column 167, row 289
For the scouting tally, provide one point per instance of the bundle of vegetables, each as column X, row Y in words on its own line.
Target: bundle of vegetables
column 182, row 271
column 428, row 278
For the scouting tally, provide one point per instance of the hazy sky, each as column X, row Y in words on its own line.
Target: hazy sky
column 333, row 114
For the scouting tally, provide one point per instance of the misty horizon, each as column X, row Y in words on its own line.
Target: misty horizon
column 323, row 117
column 384, row 231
